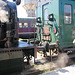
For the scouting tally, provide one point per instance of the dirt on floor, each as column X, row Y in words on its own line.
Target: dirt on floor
column 42, row 64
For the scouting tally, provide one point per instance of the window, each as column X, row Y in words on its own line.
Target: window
column 25, row 25
column 67, row 14
column 45, row 15
column 20, row 25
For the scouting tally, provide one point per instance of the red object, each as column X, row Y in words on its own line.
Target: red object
column 34, row 18
column 38, row 30
column 36, row 51
column 54, row 31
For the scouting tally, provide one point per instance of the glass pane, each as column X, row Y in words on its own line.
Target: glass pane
column 20, row 25
column 45, row 15
column 25, row 25
column 67, row 14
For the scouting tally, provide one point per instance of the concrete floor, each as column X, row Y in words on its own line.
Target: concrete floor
column 44, row 64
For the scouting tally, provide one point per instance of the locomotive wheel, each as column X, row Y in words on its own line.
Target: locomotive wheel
column 8, row 44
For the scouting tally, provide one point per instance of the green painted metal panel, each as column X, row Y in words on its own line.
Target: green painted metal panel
column 52, row 8
column 66, row 29
column 65, row 33
column 39, row 14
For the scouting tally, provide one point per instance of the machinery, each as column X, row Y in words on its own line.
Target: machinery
column 12, row 51
column 56, row 24
column 8, row 24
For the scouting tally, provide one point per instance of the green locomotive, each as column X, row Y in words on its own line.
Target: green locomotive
column 56, row 23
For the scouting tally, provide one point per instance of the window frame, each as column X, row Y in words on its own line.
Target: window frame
column 70, row 15
column 46, row 16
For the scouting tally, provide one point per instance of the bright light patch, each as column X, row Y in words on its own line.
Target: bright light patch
column 21, row 12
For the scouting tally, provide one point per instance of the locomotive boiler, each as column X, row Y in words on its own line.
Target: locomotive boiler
column 8, row 24
column 11, row 57
column 12, row 51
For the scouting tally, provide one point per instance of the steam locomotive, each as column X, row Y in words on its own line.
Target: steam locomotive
column 12, row 51
column 8, row 24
